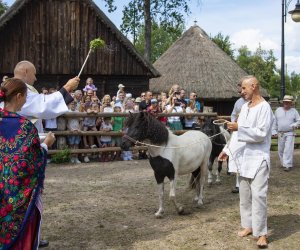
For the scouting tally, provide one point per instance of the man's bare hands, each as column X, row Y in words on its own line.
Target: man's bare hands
column 72, row 84
column 50, row 139
column 222, row 156
column 232, row 126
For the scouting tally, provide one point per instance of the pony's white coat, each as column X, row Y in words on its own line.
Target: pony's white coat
column 187, row 153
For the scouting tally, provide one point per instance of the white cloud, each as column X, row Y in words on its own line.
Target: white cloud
column 252, row 38
column 292, row 34
column 292, row 62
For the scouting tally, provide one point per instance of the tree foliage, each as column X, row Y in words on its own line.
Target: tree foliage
column 224, row 43
column 3, row 7
column 260, row 63
column 137, row 17
column 162, row 38
column 164, row 12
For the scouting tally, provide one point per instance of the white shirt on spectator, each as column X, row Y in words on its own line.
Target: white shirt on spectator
column 237, row 109
column 51, row 123
column 73, row 123
column 286, row 120
column 105, row 138
column 176, row 109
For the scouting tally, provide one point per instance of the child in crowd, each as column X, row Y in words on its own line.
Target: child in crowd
column 117, row 123
column 120, row 88
column 73, row 124
column 154, row 109
column 89, row 86
column 95, row 99
column 87, row 100
column 89, row 124
column 106, row 105
column 105, row 139
column 190, row 121
column 129, row 106
column 137, row 104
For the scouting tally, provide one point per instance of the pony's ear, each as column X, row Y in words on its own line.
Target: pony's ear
column 130, row 114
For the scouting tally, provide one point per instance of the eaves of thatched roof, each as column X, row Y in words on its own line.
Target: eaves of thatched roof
column 197, row 64
column 18, row 5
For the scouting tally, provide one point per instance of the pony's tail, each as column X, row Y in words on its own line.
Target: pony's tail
column 195, row 179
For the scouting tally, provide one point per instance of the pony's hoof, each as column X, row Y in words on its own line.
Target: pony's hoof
column 200, row 203
column 180, row 210
column 159, row 215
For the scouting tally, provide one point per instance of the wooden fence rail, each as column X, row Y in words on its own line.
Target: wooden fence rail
column 62, row 133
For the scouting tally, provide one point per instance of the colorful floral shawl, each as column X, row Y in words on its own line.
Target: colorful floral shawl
column 22, row 171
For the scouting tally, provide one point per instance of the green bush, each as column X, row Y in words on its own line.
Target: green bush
column 62, row 157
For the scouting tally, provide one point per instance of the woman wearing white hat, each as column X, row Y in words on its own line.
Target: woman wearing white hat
column 287, row 119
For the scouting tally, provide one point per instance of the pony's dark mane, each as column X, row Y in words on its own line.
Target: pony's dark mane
column 153, row 129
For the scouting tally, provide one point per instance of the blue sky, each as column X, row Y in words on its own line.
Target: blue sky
column 247, row 22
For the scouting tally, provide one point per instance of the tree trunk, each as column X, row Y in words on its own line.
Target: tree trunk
column 147, row 15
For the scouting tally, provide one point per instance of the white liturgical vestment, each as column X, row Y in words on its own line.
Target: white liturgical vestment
column 40, row 106
column 250, row 145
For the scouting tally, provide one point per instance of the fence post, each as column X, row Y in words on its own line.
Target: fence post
column 61, row 126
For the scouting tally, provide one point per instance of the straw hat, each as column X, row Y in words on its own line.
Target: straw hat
column 288, row 98
column 138, row 99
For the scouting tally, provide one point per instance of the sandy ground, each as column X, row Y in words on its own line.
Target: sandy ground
column 112, row 205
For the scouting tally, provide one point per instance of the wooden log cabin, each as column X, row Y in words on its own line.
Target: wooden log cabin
column 55, row 36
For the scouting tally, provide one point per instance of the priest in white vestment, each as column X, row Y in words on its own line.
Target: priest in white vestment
column 40, row 106
column 249, row 149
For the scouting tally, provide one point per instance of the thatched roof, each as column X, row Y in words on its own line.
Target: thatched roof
column 18, row 6
column 197, row 64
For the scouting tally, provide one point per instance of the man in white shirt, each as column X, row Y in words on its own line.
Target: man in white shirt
column 287, row 119
column 254, row 129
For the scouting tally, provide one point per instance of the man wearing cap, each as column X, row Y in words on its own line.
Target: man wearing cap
column 287, row 119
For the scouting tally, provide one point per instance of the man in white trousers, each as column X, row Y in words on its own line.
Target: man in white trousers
column 254, row 128
column 287, row 119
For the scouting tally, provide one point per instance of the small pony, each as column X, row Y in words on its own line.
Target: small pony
column 170, row 155
column 218, row 136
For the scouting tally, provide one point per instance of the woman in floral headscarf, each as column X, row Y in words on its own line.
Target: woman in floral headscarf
column 22, row 171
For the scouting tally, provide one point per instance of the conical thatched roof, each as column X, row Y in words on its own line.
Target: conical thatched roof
column 197, row 64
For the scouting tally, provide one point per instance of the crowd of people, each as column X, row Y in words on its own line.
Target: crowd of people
column 87, row 100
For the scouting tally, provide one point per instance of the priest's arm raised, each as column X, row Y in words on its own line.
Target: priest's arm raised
column 50, row 106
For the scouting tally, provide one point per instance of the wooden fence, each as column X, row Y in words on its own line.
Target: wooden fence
column 62, row 131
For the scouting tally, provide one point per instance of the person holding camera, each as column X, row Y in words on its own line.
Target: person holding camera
column 175, row 106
